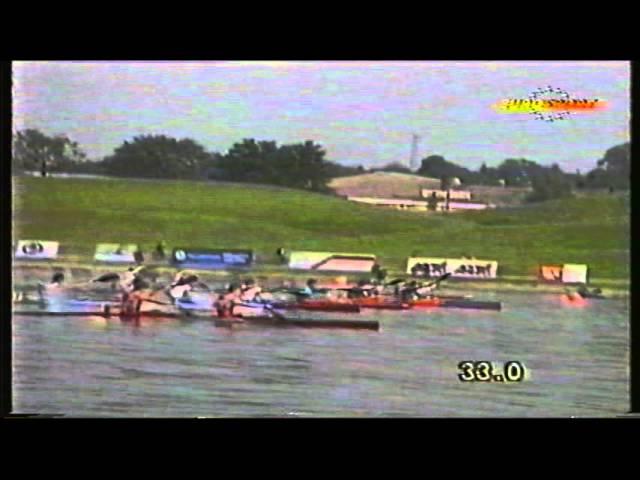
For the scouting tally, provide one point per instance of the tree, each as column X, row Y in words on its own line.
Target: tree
column 33, row 150
column 616, row 164
column 396, row 167
column 299, row 165
column 435, row 166
column 158, row 157
column 550, row 184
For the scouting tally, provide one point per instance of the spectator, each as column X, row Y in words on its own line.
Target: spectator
column 137, row 255
column 159, row 253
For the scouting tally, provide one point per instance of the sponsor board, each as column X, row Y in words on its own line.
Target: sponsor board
column 36, row 249
column 115, row 253
column 458, row 267
column 448, row 206
column 331, row 261
column 566, row 273
column 442, row 194
column 210, row 258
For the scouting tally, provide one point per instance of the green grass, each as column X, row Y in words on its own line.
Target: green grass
column 82, row 212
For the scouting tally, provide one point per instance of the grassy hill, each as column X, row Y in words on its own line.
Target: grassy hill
column 82, row 212
column 382, row 184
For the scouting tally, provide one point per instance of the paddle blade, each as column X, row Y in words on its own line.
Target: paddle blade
column 107, row 277
column 396, row 281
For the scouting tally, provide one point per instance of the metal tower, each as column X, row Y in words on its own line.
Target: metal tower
column 413, row 162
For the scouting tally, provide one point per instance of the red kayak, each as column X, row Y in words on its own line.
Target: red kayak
column 426, row 303
column 383, row 303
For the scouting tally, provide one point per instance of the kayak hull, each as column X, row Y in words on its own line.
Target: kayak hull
column 471, row 304
column 222, row 322
column 379, row 303
column 426, row 303
column 231, row 322
column 320, row 306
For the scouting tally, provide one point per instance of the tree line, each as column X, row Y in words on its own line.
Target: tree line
column 612, row 171
column 298, row 165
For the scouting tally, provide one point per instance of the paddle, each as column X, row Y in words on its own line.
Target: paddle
column 438, row 280
column 268, row 307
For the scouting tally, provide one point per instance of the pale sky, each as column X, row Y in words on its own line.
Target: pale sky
column 360, row 112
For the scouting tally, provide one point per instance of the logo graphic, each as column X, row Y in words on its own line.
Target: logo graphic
column 549, row 104
column 180, row 255
column 33, row 248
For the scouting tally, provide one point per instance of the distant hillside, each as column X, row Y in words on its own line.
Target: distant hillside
column 82, row 212
column 383, row 184
column 401, row 185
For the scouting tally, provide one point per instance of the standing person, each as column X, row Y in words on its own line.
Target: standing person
column 433, row 202
column 282, row 255
column 159, row 253
column 138, row 256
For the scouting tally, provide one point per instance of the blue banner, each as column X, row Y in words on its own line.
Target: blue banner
column 211, row 259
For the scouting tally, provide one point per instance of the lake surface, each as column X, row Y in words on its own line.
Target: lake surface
column 576, row 358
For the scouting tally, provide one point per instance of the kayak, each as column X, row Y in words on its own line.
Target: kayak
column 426, row 302
column 573, row 299
column 262, row 320
column 231, row 322
column 379, row 303
column 470, row 304
column 590, row 295
column 147, row 314
column 319, row 305
column 432, row 302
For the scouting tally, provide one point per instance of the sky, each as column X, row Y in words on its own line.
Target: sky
column 362, row 113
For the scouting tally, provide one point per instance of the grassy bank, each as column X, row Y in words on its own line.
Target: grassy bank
column 82, row 212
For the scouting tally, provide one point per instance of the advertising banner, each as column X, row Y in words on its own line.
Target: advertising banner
column 442, row 194
column 115, row 253
column 567, row 273
column 331, row 261
column 36, row 250
column 433, row 267
column 210, row 258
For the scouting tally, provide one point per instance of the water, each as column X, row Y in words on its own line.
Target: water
column 576, row 359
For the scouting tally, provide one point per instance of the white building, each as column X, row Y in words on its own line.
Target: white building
column 398, row 203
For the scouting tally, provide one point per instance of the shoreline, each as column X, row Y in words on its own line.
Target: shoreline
column 31, row 271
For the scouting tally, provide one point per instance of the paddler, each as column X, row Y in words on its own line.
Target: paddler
column 250, row 291
column 408, row 292
column 425, row 291
column 133, row 298
column 53, row 287
column 182, row 285
column 309, row 288
column 128, row 277
column 225, row 303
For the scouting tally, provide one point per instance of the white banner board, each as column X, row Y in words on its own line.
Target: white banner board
column 567, row 273
column 442, row 194
column 433, row 267
column 115, row 253
column 36, row 249
column 331, row 261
